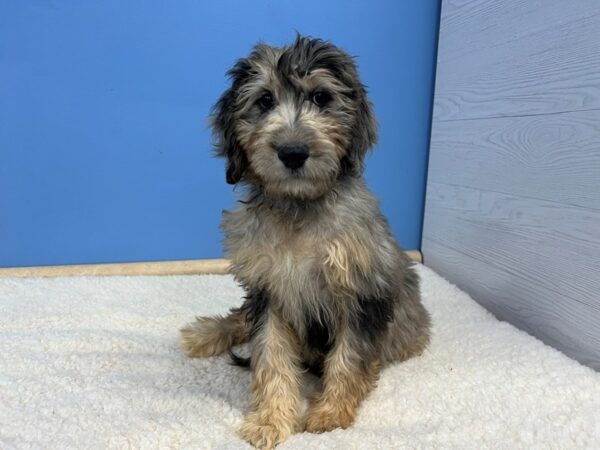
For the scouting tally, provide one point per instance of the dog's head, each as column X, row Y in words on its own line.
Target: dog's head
column 294, row 120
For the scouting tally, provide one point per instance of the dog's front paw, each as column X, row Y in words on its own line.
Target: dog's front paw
column 322, row 417
column 263, row 434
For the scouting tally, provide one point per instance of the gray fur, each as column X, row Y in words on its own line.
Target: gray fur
column 312, row 241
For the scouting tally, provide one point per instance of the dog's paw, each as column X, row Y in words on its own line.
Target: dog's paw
column 261, row 434
column 322, row 417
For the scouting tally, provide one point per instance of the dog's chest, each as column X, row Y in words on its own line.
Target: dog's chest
column 268, row 252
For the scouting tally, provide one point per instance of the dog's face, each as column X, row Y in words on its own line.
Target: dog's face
column 294, row 120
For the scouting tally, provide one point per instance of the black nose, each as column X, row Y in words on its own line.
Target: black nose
column 293, row 156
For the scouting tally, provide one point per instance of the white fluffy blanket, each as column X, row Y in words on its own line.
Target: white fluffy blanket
column 94, row 363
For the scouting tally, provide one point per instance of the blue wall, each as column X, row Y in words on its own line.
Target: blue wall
column 104, row 147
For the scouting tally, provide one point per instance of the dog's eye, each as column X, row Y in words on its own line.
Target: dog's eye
column 321, row 98
column 266, row 102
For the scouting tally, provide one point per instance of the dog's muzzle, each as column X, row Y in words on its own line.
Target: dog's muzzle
column 293, row 156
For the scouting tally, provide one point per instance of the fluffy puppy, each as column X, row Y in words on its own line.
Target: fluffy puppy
column 327, row 286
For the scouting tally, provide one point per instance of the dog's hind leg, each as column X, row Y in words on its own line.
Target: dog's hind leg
column 211, row 336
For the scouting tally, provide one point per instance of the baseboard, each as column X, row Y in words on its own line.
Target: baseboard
column 187, row 267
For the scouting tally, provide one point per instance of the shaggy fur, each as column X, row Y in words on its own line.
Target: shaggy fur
column 327, row 286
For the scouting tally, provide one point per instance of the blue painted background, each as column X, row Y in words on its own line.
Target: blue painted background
column 105, row 153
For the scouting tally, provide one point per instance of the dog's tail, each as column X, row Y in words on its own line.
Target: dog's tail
column 211, row 336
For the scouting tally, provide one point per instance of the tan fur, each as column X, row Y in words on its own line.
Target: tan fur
column 275, row 403
column 346, row 257
column 347, row 381
column 211, row 336
column 326, row 283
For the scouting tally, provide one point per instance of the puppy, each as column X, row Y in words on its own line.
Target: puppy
column 327, row 287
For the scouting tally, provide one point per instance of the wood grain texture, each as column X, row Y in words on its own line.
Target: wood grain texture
column 521, row 235
column 517, row 57
column 525, row 156
column 512, row 209
column 513, row 299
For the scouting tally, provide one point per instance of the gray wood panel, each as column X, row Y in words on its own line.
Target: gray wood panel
column 522, row 156
column 517, row 57
column 496, row 290
column 546, row 234
column 513, row 196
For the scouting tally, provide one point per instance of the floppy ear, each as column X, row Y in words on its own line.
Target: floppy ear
column 364, row 132
column 223, row 124
column 364, row 128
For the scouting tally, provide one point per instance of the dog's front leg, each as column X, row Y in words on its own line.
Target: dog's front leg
column 350, row 373
column 275, row 398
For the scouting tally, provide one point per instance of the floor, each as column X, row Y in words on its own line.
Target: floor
column 94, row 362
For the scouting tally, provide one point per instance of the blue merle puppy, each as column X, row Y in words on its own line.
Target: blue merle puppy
column 327, row 286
